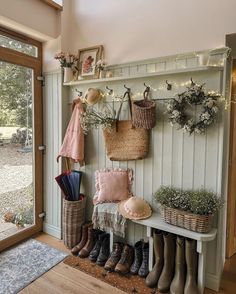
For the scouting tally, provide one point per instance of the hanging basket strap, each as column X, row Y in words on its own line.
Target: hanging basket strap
column 127, row 93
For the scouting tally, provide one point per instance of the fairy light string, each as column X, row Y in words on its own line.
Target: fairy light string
column 116, row 97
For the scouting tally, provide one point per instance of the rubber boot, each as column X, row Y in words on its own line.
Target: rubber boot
column 177, row 285
column 75, row 250
column 137, row 258
column 169, row 263
column 144, row 270
column 158, row 244
column 191, row 261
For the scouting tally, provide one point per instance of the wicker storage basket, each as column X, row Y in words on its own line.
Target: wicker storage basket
column 144, row 114
column 73, row 219
column 193, row 222
column 125, row 142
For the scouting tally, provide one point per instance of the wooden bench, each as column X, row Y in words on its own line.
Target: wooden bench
column 156, row 222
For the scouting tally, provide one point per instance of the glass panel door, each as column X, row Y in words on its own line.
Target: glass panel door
column 17, row 201
column 21, row 137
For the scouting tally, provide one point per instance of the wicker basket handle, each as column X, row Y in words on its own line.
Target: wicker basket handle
column 127, row 93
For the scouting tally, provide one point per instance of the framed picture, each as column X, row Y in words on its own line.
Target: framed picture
column 88, row 57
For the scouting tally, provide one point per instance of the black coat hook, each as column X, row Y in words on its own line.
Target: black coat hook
column 146, row 91
column 110, row 91
column 192, row 82
column 80, row 93
column 169, row 86
column 127, row 88
column 147, row 87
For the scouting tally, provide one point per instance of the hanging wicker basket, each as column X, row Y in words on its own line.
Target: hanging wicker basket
column 193, row 222
column 73, row 219
column 125, row 142
column 144, row 112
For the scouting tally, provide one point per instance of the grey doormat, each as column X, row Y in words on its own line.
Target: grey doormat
column 24, row 263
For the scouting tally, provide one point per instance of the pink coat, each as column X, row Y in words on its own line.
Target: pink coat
column 73, row 143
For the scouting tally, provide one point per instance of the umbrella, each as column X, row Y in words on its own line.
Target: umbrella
column 69, row 182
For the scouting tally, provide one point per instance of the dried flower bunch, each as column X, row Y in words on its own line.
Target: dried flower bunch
column 101, row 64
column 195, row 95
column 92, row 118
column 200, row 201
column 66, row 59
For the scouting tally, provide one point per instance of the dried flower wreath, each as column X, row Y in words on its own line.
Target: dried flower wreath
column 195, row 95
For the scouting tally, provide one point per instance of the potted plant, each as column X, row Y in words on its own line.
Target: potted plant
column 67, row 62
column 190, row 209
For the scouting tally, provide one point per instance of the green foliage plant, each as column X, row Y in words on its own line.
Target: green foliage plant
column 201, row 201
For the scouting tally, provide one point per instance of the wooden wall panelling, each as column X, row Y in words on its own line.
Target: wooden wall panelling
column 175, row 158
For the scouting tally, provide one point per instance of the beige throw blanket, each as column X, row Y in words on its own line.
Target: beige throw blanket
column 106, row 216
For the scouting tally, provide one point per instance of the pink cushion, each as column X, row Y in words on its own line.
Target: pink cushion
column 112, row 185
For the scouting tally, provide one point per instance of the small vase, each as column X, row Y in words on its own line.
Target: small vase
column 109, row 74
column 102, row 74
column 68, row 74
column 203, row 59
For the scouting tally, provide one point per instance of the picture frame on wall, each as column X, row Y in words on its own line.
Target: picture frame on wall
column 88, row 57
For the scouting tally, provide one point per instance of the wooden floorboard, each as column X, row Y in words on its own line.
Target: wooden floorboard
column 63, row 279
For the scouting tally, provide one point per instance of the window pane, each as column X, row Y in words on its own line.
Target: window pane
column 16, row 149
column 10, row 43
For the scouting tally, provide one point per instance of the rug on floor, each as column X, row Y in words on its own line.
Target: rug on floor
column 127, row 283
column 22, row 264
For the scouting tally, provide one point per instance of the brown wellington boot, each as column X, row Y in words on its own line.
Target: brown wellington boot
column 177, row 285
column 191, row 261
column 169, row 263
column 75, row 250
column 92, row 238
column 158, row 244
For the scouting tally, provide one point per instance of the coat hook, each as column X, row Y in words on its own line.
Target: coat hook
column 147, row 87
column 169, row 86
column 128, row 89
column 110, row 91
column 146, row 91
column 192, row 82
column 80, row 93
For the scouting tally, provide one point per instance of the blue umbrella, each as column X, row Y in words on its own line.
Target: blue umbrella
column 69, row 183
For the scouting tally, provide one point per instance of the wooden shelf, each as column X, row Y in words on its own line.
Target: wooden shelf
column 156, row 222
column 145, row 75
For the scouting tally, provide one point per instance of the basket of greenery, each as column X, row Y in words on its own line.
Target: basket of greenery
column 189, row 209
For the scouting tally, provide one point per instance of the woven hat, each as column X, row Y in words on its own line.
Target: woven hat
column 135, row 208
column 92, row 96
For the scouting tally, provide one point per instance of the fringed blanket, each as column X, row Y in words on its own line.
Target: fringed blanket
column 106, row 216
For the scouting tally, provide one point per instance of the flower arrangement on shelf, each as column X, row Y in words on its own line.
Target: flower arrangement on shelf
column 66, row 59
column 191, row 209
column 92, row 119
column 195, row 95
column 101, row 66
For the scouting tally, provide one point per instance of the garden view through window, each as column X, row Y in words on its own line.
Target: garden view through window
column 16, row 146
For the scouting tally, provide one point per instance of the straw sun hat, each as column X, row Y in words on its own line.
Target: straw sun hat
column 134, row 208
column 92, row 96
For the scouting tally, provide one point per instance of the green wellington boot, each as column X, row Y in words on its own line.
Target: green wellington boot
column 177, row 285
column 191, row 261
column 169, row 263
column 158, row 244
